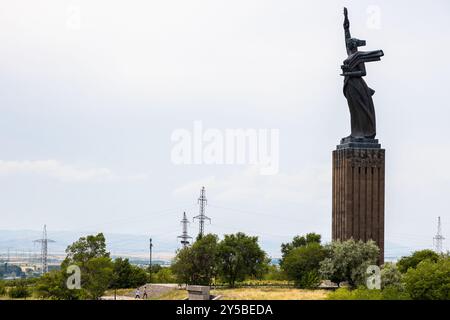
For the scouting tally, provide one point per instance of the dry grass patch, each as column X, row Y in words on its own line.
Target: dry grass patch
column 270, row 294
column 175, row 294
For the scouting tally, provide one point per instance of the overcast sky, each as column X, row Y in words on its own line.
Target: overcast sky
column 91, row 92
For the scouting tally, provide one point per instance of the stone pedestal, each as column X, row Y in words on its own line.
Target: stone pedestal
column 358, row 191
column 198, row 293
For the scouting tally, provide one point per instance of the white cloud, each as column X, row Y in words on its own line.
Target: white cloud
column 63, row 172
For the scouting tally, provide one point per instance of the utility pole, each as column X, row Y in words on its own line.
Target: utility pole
column 202, row 217
column 184, row 236
column 44, row 250
column 150, row 265
column 438, row 238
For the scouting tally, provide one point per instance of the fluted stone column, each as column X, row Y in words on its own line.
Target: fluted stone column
column 358, row 191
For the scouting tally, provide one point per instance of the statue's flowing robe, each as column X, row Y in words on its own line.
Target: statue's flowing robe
column 359, row 95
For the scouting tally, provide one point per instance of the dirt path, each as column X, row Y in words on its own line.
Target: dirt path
column 154, row 291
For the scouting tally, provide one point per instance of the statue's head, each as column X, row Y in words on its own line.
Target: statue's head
column 354, row 43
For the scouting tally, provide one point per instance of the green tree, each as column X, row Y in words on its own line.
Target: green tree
column 86, row 248
column 97, row 275
column 297, row 242
column 302, row 265
column 197, row 264
column 126, row 275
column 429, row 280
column 154, row 268
column 164, row 275
column 90, row 255
column 413, row 260
column 52, row 285
column 240, row 256
column 274, row 272
column 348, row 261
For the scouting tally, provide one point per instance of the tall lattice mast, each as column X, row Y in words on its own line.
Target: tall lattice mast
column 44, row 250
column 202, row 217
column 184, row 235
column 438, row 238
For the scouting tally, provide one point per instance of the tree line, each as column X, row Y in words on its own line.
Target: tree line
column 305, row 262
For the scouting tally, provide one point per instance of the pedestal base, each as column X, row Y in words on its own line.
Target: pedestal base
column 358, row 192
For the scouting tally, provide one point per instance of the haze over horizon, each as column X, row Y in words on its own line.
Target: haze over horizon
column 91, row 92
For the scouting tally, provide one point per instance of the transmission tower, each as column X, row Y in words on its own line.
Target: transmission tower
column 184, row 236
column 202, row 217
column 150, row 266
column 438, row 238
column 44, row 252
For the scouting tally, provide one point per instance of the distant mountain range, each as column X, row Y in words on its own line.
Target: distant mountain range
column 19, row 241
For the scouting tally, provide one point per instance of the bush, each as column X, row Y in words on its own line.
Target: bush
column 389, row 293
column 164, row 275
column 126, row 275
column 395, row 293
column 413, row 260
column 391, row 276
column 302, row 265
column 274, row 273
column 297, row 242
column 2, row 288
column 356, row 294
column 348, row 261
column 429, row 280
column 19, row 292
column 52, row 285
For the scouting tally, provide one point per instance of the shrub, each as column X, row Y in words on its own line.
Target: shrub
column 19, row 292
column 391, row 276
column 2, row 288
column 297, row 242
column 164, row 275
column 356, row 294
column 274, row 273
column 395, row 293
column 413, row 260
column 52, row 285
column 389, row 293
column 429, row 280
column 302, row 265
column 348, row 261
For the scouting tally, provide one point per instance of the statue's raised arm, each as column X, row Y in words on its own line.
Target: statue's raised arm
column 346, row 25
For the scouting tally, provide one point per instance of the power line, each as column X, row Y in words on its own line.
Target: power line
column 184, row 236
column 438, row 238
column 44, row 249
column 202, row 217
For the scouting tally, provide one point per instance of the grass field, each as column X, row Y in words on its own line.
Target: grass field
column 261, row 293
column 246, row 294
column 255, row 294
